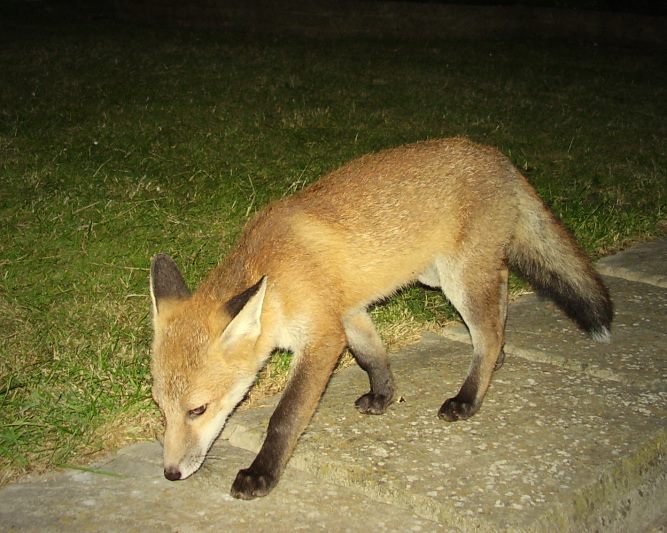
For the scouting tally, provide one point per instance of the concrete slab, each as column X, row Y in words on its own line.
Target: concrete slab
column 550, row 448
column 637, row 354
column 645, row 262
column 128, row 493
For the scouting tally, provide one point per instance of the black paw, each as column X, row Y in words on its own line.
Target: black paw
column 249, row 484
column 372, row 404
column 453, row 410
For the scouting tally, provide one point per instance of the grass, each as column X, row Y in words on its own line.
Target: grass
column 116, row 143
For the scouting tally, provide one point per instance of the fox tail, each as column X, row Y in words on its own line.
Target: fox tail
column 549, row 258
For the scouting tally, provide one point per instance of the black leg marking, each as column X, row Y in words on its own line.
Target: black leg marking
column 483, row 307
column 296, row 407
column 368, row 350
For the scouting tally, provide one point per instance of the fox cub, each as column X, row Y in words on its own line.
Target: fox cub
column 446, row 213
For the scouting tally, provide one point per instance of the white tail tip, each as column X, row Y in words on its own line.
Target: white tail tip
column 601, row 335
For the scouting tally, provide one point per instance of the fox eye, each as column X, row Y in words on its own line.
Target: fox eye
column 197, row 411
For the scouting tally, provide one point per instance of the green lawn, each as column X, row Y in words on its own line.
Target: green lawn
column 118, row 143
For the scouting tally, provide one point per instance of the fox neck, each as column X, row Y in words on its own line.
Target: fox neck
column 229, row 278
column 279, row 328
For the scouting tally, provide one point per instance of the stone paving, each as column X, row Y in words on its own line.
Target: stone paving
column 571, row 437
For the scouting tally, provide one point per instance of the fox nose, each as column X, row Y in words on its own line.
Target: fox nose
column 172, row 474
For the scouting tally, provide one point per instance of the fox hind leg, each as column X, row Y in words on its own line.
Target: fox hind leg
column 482, row 303
column 367, row 348
column 503, row 280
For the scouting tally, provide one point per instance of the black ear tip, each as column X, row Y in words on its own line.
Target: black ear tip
column 162, row 262
column 237, row 303
column 160, row 257
column 166, row 279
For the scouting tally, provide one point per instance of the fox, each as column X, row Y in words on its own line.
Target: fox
column 445, row 213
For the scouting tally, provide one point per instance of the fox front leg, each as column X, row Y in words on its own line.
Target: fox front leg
column 294, row 411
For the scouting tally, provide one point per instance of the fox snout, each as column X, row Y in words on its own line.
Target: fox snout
column 172, row 473
column 183, row 451
column 175, row 470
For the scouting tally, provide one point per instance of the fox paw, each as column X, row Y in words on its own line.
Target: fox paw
column 372, row 404
column 453, row 410
column 249, row 485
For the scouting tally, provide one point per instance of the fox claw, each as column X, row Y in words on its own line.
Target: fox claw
column 453, row 410
column 372, row 404
column 500, row 360
column 249, row 485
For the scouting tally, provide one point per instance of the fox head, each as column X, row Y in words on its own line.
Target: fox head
column 203, row 362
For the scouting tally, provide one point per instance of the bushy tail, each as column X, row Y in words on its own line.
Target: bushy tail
column 549, row 258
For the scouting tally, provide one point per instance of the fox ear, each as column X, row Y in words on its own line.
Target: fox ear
column 166, row 281
column 246, row 310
